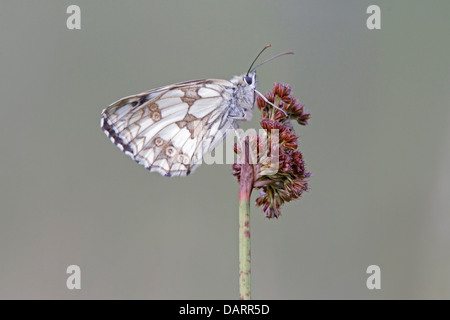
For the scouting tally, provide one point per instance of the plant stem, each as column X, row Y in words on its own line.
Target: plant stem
column 245, row 190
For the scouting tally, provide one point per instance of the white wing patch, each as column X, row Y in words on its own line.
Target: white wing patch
column 169, row 129
column 168, row 102
column 208, row 93
column 204, row 106
column 176, row 93
column 181, row 107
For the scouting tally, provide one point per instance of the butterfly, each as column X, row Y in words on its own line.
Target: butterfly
column 169, row 129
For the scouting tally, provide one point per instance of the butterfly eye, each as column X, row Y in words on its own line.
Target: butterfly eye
column 248, row 79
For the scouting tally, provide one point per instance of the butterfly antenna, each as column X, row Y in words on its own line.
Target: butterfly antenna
column 276, row 56
column 258, row 57
column 267, row 101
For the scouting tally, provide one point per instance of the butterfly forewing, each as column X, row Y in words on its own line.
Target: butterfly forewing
column 169, row 129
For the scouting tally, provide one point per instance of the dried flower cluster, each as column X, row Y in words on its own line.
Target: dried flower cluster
column 287, row 181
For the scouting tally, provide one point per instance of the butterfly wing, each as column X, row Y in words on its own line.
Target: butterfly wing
column 169, row 129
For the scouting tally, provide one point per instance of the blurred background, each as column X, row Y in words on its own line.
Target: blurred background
column 378, row 145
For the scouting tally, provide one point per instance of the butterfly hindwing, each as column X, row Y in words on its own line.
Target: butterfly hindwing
column 169, row 129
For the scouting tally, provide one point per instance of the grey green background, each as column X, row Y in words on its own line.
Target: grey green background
column 378, row 144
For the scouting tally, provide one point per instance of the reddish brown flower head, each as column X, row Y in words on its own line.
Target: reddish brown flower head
column 282, row 98
column 289, row 179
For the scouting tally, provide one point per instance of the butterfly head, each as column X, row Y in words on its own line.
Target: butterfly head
column 251, row 79
column 247, row 80
column 246, row 85
column 244, row 96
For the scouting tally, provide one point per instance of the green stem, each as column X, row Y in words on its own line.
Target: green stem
column 244, row 250
column 245, row 190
